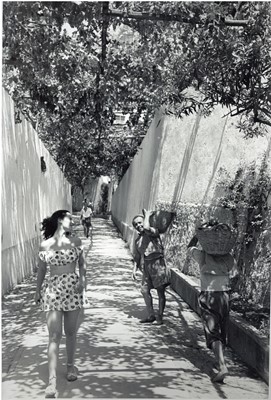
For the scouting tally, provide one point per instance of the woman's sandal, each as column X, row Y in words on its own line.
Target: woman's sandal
column 50, row 391
column 71, row 376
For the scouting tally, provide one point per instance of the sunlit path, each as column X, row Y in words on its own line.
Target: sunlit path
column 117, row 357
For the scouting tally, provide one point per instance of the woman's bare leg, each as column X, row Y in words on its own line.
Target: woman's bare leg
column 70, row 328
column 54, row 324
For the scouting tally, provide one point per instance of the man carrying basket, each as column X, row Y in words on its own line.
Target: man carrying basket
column 217, row 268
column 150, row 260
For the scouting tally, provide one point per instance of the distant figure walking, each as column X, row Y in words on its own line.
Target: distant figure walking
column 85, row 216
column 216, row 272
column 150, row 260
column 63, row 294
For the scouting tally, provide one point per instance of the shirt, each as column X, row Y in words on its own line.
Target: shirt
column 86, row 213
column 214, row 270
column 149, row 246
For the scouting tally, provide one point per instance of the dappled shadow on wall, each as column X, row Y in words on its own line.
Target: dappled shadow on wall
column 29, row 193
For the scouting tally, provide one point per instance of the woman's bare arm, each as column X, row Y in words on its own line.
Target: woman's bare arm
column 82, row 269
column 42, row 268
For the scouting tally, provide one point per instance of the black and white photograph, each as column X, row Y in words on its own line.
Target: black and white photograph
column 136, row 199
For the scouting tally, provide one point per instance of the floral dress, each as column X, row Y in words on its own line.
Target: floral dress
column 58, row 292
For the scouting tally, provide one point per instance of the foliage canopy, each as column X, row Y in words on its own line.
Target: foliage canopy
column 70, row 67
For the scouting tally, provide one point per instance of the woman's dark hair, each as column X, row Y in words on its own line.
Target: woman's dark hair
column 49, row 225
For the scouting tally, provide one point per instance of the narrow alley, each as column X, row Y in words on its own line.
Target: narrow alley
column 117, row 357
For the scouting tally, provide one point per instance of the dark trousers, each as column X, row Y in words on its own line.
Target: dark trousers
column 214, row 307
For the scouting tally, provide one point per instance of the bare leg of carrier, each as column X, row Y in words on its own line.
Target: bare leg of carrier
column 162, row 303
column 146, row 293
column 217, row 348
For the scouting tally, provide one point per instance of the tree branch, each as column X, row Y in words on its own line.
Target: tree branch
column 265, row 111
column 238, row 112
column 112, row 12
column 24, row 28
column 262, row 121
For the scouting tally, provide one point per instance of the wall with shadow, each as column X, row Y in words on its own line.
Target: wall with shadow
column 28, row 194
column 176, row 167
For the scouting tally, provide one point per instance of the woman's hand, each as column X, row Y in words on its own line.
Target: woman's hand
column 38, row 297
column 80, row 286
column 134, row 273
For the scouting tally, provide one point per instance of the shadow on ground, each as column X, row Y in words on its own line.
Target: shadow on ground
column 117, row 357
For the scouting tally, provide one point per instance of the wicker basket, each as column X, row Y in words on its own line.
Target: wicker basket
column 161, row 220
column 218, row 239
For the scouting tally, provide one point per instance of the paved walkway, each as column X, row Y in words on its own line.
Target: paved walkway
column 117, row 357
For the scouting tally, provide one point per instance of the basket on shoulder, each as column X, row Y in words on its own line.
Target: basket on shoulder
column 216, row 238
column 162, row 219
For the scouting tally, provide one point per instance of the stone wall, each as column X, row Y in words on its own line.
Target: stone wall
column 181, row 166
column 177, row 160
column 28, row 195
